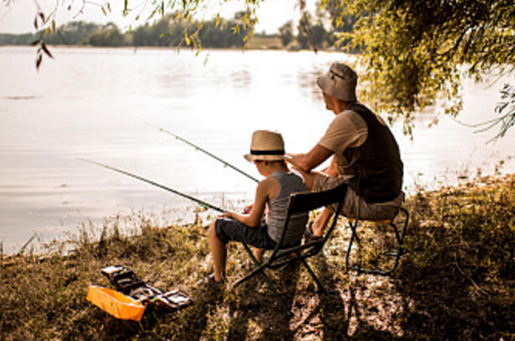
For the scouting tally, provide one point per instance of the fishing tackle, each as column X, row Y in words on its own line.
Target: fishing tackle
column 205, row 152
column 198, row 201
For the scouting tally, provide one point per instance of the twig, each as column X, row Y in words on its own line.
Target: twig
column 26, row 244
column 481, row 290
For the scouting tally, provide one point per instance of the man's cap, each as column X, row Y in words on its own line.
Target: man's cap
column 340, row 82
column 266, row 146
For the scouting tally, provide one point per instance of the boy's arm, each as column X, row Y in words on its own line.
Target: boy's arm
column 253, row 219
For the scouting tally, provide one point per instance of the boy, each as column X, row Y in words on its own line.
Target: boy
column 272, row 196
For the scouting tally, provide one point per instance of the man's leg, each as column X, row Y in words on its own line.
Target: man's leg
column 321, row 182
column 218, row 252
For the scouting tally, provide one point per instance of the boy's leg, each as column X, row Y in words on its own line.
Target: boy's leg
column 218, row 252
column 321, row 221
column 258, row 254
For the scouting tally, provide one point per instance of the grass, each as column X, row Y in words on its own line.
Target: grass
column 456, row 282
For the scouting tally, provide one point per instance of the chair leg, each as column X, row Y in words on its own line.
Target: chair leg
column 314, row 276
column 260, row 269
column 399, row 238
column 353, row 226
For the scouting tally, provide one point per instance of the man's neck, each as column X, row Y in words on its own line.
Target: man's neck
column 340, row 106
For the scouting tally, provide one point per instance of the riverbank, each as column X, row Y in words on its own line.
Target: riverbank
column 456, row 282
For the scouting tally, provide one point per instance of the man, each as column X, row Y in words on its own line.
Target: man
column 365, row 154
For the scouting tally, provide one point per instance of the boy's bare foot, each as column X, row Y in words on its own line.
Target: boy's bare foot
column 258, row 254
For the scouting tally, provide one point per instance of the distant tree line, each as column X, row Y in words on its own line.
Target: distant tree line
column 165, row 32
column 169, row 32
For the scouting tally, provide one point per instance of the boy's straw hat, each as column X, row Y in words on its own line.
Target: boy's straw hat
column 340, row 82
column 266, row 146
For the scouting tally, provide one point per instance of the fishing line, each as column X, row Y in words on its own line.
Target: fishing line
column 198, row 201
column 205, row 152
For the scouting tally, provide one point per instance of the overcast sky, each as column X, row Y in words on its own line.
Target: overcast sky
column 18, row 16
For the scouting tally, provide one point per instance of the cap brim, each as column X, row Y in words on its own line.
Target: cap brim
column 248, row 157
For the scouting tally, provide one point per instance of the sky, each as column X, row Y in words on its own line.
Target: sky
column 17, row 16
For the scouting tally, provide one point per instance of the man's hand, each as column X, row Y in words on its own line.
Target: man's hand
column 311, row 160
column 296, row 160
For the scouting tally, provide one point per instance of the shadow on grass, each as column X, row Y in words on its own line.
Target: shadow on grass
column 255, row 310
column 342, row 312
column 458, row 280
column 449, row 296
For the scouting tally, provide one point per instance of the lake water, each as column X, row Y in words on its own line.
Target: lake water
column 100, row 104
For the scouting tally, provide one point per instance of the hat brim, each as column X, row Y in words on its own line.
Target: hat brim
column 252, row 158
column 346, row 95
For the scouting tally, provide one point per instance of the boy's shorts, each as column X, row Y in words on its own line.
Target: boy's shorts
column 229, row 230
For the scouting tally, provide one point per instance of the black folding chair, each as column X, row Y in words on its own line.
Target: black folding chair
column 398, row 238
column 281, row 256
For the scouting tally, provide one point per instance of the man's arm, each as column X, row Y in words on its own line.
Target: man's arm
column 311, row 160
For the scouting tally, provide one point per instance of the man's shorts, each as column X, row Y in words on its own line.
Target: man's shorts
column 229, row 230
column 355, row 206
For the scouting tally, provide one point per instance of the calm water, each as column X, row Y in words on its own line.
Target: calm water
column 98, row 104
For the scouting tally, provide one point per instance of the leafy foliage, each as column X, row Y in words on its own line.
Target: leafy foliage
column 311, row 33
column 416, row 52
column 507, row 111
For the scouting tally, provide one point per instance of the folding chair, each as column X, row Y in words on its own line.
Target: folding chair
column 281, row 256
column 399, row 239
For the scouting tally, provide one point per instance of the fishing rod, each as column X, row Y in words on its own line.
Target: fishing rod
column 198, row 201
column 205, row 152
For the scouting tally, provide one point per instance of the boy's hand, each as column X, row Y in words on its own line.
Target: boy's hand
column 247, row 209
column 226, row 215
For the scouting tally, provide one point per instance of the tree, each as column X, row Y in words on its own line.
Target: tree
column 311, row 35
column 110, row 35
column 73, row 33
column 286, row 33
column 340, row 23
column 416, row 51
